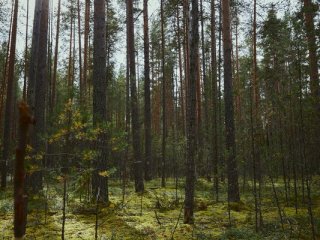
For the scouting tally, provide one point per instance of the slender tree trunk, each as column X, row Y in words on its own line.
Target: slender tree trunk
column 80, row 54
column 55, row 63
column 199, row 134
column 49, row 65
column 306, row 162
column 24, row 90
column 70, row 58
column 126, row 158
column 164, row 102
column 256, row 125
column 233, row 188
column 186, row 49
column 182, row 83
column 206, row 86
column 86, row 50
column 138, row 166
column 221, row 149
column 191, row 116
column 9, row 99
column 214, row 105
column 5, row 74
column 147, row 108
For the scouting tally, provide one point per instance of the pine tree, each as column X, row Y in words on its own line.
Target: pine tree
column 191, row 115
column 232, row 171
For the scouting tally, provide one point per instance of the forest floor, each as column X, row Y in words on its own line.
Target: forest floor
column 158, row 214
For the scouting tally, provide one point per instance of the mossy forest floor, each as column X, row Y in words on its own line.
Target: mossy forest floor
column 158, row 214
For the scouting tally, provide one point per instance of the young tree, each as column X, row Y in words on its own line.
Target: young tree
column 232, row 171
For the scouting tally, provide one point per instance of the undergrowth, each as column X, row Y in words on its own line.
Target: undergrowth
column 158, row 214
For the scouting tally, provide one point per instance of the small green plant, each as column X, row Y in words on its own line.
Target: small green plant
column 239, row 234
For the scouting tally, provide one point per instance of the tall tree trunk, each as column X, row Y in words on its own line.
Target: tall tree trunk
column 232, row 171
column 70, row 58
column 214, row 105
column 206, row 86
column 4, row 81
column 186, row 48
column 164, row 102
column 191, row 115
column 49, row 65
column 255, row 125
column 147, row 107
column 100, row 183
column 34, row 54
column 182, row 82
column 9, row 99
column 80, row 54
column 309, row 12
column 55, row 63
column 20, row 222
column 138, row 166
column 221, row 149
column 24, row 90
column 40, row 96
column 127, row 129
column 86, row 49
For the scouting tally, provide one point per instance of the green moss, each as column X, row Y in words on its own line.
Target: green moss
column 238, row 206
column 161, row 215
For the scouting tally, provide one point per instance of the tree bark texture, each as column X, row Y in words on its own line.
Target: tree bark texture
column 232, row 171
column 147, row 104
column 55, row 63
column 138, row 165
column 40, row 97
column 8, row 126
column 20, row 220
column 164, row 102
column 191, row 114
column 100, row 98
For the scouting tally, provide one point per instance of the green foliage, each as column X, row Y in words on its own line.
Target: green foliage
column 239, row 233
column 78, row 142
